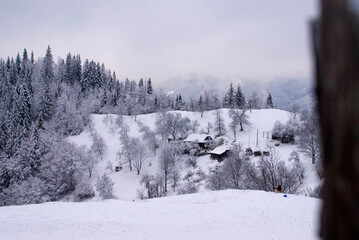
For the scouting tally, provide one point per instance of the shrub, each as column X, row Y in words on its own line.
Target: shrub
column 104, row 186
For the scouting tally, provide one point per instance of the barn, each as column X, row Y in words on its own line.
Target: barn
column 219, row 153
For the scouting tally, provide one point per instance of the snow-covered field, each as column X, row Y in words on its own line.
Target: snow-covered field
column 206, row 215
column 127, row 183
column 226, row 215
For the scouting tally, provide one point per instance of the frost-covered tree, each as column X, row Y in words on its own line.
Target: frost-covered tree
column 98, row 146
column 127, row 152
column 149, row 87
column 277, row 130
column 63, row 169
column 83, row 191
column 219, row 126
column 239, row 118
column 201, row 106
column 297, row 166
column 253, row 101
column 69, row 119
column 229, row 100
column 154, row 187
column 104, row 186
column 233, row 168
column 177, row 125
column 31, row 191
column 273, row 172
column 149, row 137
column 167, row 163
column 209, row 127
column 239, row 98
column 139, row 154
column 217, row 179
column 309, row 142
column 46, row 101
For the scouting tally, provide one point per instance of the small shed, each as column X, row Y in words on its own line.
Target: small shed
column 219, row 153
column 201, row 139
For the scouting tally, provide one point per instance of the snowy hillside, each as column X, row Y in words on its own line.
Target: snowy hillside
column 227, row 214
column 127, row 183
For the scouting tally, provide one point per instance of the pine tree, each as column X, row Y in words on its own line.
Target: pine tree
column 69, row 79
column 32, row 58
column 269, row 101
column 200, row 105
column 46, row 104
column 240, row 100
column 13, row 75
column 25, row 57
column 229, row 98
column 61, row 77
column 20, row 120
column 149, row 87
column 18, row 63
column 47, row 70
column 84, row 82
column 104, row 99
column 24, row 106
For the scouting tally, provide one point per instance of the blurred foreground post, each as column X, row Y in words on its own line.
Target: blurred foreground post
column 336, row 41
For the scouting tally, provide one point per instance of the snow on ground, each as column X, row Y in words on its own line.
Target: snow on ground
column 227, row 215
column 127, row 183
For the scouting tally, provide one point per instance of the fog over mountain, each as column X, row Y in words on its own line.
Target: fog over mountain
column 285, row 92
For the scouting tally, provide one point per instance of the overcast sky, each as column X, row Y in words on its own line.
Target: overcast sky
column 223, row 40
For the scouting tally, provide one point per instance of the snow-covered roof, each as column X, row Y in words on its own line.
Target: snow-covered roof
column 196, row 137
column 219, row 150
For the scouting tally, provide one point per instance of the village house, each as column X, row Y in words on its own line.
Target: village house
column 201, row 139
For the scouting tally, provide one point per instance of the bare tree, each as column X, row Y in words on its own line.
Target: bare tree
column 139, row 154
column 149, row 136
column 309, row 142
column 154, row 186
column 219, row 126
column 176, row 125
column 295, row 110
column 108, row 119
column 167, row 163
column 161, row 124
column 98, row 146
column 126, row 151
column 209, row 127
column 233, row 168
column 216, row 179
column 274, row 172
column 239, row 118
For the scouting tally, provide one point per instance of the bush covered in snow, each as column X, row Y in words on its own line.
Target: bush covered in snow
column 104, row 186
column 83, row 191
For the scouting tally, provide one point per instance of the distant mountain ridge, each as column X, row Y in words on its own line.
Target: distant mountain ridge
column 285, row 92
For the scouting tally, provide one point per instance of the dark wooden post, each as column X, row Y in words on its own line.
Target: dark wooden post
column 337, row 62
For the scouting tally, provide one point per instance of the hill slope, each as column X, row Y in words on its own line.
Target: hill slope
column 127, row 183
column 213, row 215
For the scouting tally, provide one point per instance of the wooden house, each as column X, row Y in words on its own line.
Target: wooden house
column 219, row 153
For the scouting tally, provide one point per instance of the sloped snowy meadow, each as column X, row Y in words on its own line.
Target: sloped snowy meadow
column 230, row 214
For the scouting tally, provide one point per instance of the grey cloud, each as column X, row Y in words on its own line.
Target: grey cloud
column 227, row 40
